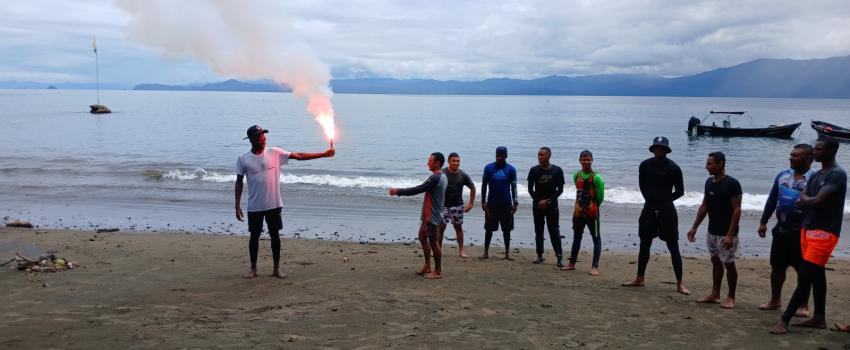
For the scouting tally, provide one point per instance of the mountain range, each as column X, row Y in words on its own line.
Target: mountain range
column 766, row 78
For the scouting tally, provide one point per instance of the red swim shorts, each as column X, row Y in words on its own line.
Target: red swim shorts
column 817, row 245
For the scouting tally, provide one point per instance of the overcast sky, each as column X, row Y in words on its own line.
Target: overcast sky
column 50, row 41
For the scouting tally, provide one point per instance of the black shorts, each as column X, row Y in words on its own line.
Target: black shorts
column 272, row 217
column 499, row 216
column 785, row 248
column 662, row 223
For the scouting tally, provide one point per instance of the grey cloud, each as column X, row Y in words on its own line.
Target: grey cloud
column 482, row 39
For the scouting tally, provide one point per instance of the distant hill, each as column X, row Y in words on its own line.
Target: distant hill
column 227, row 85
column 775, row 78
column 778, row 78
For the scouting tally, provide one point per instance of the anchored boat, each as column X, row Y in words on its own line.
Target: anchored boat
column 696, row 127
column 825, row 129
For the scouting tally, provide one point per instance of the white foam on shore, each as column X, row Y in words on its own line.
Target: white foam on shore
column 617, row 194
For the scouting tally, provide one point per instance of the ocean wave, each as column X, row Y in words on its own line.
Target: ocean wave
column 617, row 194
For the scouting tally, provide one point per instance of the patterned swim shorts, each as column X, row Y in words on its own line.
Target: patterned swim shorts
column 716, row 248
column 453, row 215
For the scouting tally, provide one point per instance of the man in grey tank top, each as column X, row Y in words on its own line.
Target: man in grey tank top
column 432, row 213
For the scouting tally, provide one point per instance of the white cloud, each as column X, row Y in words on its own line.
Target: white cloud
column 462, row 40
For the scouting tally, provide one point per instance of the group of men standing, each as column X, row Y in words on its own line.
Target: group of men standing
column 499, row 202
column 808, row 205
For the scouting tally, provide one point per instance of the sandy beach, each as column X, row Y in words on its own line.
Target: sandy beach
column 179, row 290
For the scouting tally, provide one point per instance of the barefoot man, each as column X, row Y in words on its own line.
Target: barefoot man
column 823, row 203
column 785, row 247
column 432, row 213
column 261, row 166
column 501, row 203
column 722, row 203
column 454, row 209
column 590, row 192
column 545, row 185
column 660, row 181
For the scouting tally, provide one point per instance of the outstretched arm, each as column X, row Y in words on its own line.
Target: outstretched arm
column 308, row 156
column 429, row 184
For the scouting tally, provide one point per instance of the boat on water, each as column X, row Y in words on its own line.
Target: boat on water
column 696, row 127
column 825, row 129
column 97, row 108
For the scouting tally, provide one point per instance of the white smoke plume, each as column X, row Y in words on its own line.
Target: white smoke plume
column 235, row 38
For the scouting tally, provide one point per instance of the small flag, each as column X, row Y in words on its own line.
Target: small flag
column 94, row 44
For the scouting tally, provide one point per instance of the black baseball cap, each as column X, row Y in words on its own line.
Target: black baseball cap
column 255, row 130
column 660, row 141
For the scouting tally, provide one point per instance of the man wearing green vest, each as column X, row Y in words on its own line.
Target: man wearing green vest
column 590, row 192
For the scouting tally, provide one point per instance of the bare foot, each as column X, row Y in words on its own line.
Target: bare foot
column 841, row 328
column 709, row 299
column 424, row 271
column 569, row 267
column 251, row 274
column 508, row 257
column 770, row 305
column 812, row 323
column 780, row 328
column 728, row 303
column 279, row 274
column 484, row 257
column 463, row 254
column 638, row 282
column 802, row 312
column 594, row 271
column 433, row 275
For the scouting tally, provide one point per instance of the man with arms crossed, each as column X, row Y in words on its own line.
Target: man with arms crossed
column 261, row 166
column 785, row 247
column 453, row 208
column 722, row 202
column 661, row 183
column 500, row 204
column 432, row 213
column 823, row 203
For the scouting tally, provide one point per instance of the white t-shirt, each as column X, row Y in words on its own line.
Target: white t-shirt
column 263, row 173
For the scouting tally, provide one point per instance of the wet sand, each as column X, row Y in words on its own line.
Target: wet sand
column 177, row 290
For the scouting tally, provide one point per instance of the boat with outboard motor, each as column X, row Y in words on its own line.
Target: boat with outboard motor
column 696, row 127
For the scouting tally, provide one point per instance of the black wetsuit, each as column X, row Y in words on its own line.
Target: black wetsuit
column 547, row 185
column 660, row 183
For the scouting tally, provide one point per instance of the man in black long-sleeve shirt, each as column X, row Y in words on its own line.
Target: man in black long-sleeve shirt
column 545, row 184
column 661, row 183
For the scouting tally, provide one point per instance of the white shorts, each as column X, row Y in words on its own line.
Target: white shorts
column 453, row 215
column 716, row 248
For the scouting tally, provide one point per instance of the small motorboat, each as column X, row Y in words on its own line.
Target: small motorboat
column 825, row 129
column 696, row 127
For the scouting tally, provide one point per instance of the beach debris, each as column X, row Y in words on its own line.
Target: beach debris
column 346, row 259
column 45, row 263
column 18, row 223
column 106, row 230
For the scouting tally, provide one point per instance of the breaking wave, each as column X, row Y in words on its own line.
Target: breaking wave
column 617, row 194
